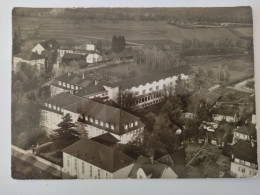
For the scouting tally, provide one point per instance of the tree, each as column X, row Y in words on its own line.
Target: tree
column 65, row 134
column 203, row 111
column 16, row 43
column 126, row 100
column 118, row 43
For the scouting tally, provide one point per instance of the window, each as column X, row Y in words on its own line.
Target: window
column 242, row 161
column 49, row 105
column 46, row 104
column 126, row 127
column 58, row 108
column 243, row 170
column 107, row 125
column 68, row 85
column 130, row 125
column 101, row 123
column 75, row 162
column 136, row 123
column 72, row 86
column 91, row 120
column 151, row 89
column 59, row 82
column 68, row 161
column 90, row 171
column 112, row 127
column 144, row 91
column 86, row 117
column 157, row 87
column 54, row 107
column 238, row 168
column 76, row 87
column 96, row 121
column 83, row 168
column 106, row 176
column 64, row 84
column 98, row 173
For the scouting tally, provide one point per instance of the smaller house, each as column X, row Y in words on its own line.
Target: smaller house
column 63, row 51
column 227, row 113
column 50, row 44
column 145, row 168
column 87, row 159
column 93, row 58
column 244, row 159
column 246, row 132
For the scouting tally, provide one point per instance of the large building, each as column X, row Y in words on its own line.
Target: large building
column 87, row 159
column 98, row 118
column 244, row 159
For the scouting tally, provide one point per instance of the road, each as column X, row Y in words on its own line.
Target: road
column 241, row 86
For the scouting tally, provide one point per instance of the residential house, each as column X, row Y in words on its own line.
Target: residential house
column 70, row 82
column 62, row 51
column 50, row 44
column 145, row 168
column 93, row 58
column 245, row 132
column 87, row 159
column 90, row 47
column 244, row 159
column 97, row 118
column 227, row 113
column 148, row 89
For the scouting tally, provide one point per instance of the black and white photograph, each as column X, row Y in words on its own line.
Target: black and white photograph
column 133, row 93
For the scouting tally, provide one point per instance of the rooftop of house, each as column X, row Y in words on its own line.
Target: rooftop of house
column 97, row 110
column 155, row 169
column 226, row 110
column 49, row 44
column 244, row 150
column 149, row 78
column 97, row 154
column 73, row 56
column 203, row 94
column 247, row 129
column 106, row 139
column 74, row 79
column 91, row 90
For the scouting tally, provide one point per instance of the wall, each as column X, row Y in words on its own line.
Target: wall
column 112, row 92
column 50, row 119
column 38, row 48
column 248, row 172
column 57, row 90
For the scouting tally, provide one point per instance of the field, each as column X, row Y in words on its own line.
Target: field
column 65, row 30
column 237, row 65
column 245, row 31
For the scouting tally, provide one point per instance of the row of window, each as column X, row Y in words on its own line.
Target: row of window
column 148, row 98
column 54, row 107
column 245, row 163
column 130, row 125
column 137, row 131
column 69, row 86
column 243, row 170
column 241, row 135
column 98, row 122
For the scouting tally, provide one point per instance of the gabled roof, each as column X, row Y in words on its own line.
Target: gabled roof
column 136, row 81
column 226, row 110
column 243, row 150
column 248, row 129
column 100, row 155
column 74, row 79
column 154, row 169
column 106, row 139
column 99, row 111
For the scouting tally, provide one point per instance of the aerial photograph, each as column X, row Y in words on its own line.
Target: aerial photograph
column 133, row 93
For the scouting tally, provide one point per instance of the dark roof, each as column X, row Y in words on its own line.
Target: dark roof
column 106, row 139
column 210, row 97
column 72, row 56
column 226, row 110
column 100, row 155
column 248, row 129
column 74, row 79
column 243, row 150
column 96, row 110
column 46, row 44
column 91, row 90
column 136, row 81
column 154, row 169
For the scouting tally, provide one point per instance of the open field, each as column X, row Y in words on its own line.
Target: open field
column 237, row 66
column 67, row 29
column 245, row 31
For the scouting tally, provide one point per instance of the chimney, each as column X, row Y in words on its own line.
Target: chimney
column 83, row 75
column 151, row 158
column 69, row 73
column 96, row 81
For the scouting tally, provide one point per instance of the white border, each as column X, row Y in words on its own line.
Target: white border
column 185, row 186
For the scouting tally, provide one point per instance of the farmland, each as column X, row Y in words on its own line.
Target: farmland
column 65, row 30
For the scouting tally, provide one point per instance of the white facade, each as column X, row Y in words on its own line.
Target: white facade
column 57, row 90
column 50, row 120
column 38, row 49
column 240, row 168
column 64, row 87
column 219, row 117
column 90, row 47
column 93, row 58
column 84, row 170
column 168, row 173
column 63, row 51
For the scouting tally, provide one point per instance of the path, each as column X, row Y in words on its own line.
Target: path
column 197, row 154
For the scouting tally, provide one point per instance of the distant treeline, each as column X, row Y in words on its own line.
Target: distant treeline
column 223, row 46
column 232, row 15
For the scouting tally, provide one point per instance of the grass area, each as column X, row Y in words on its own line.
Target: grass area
column 245, row 31
column 24, row 170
